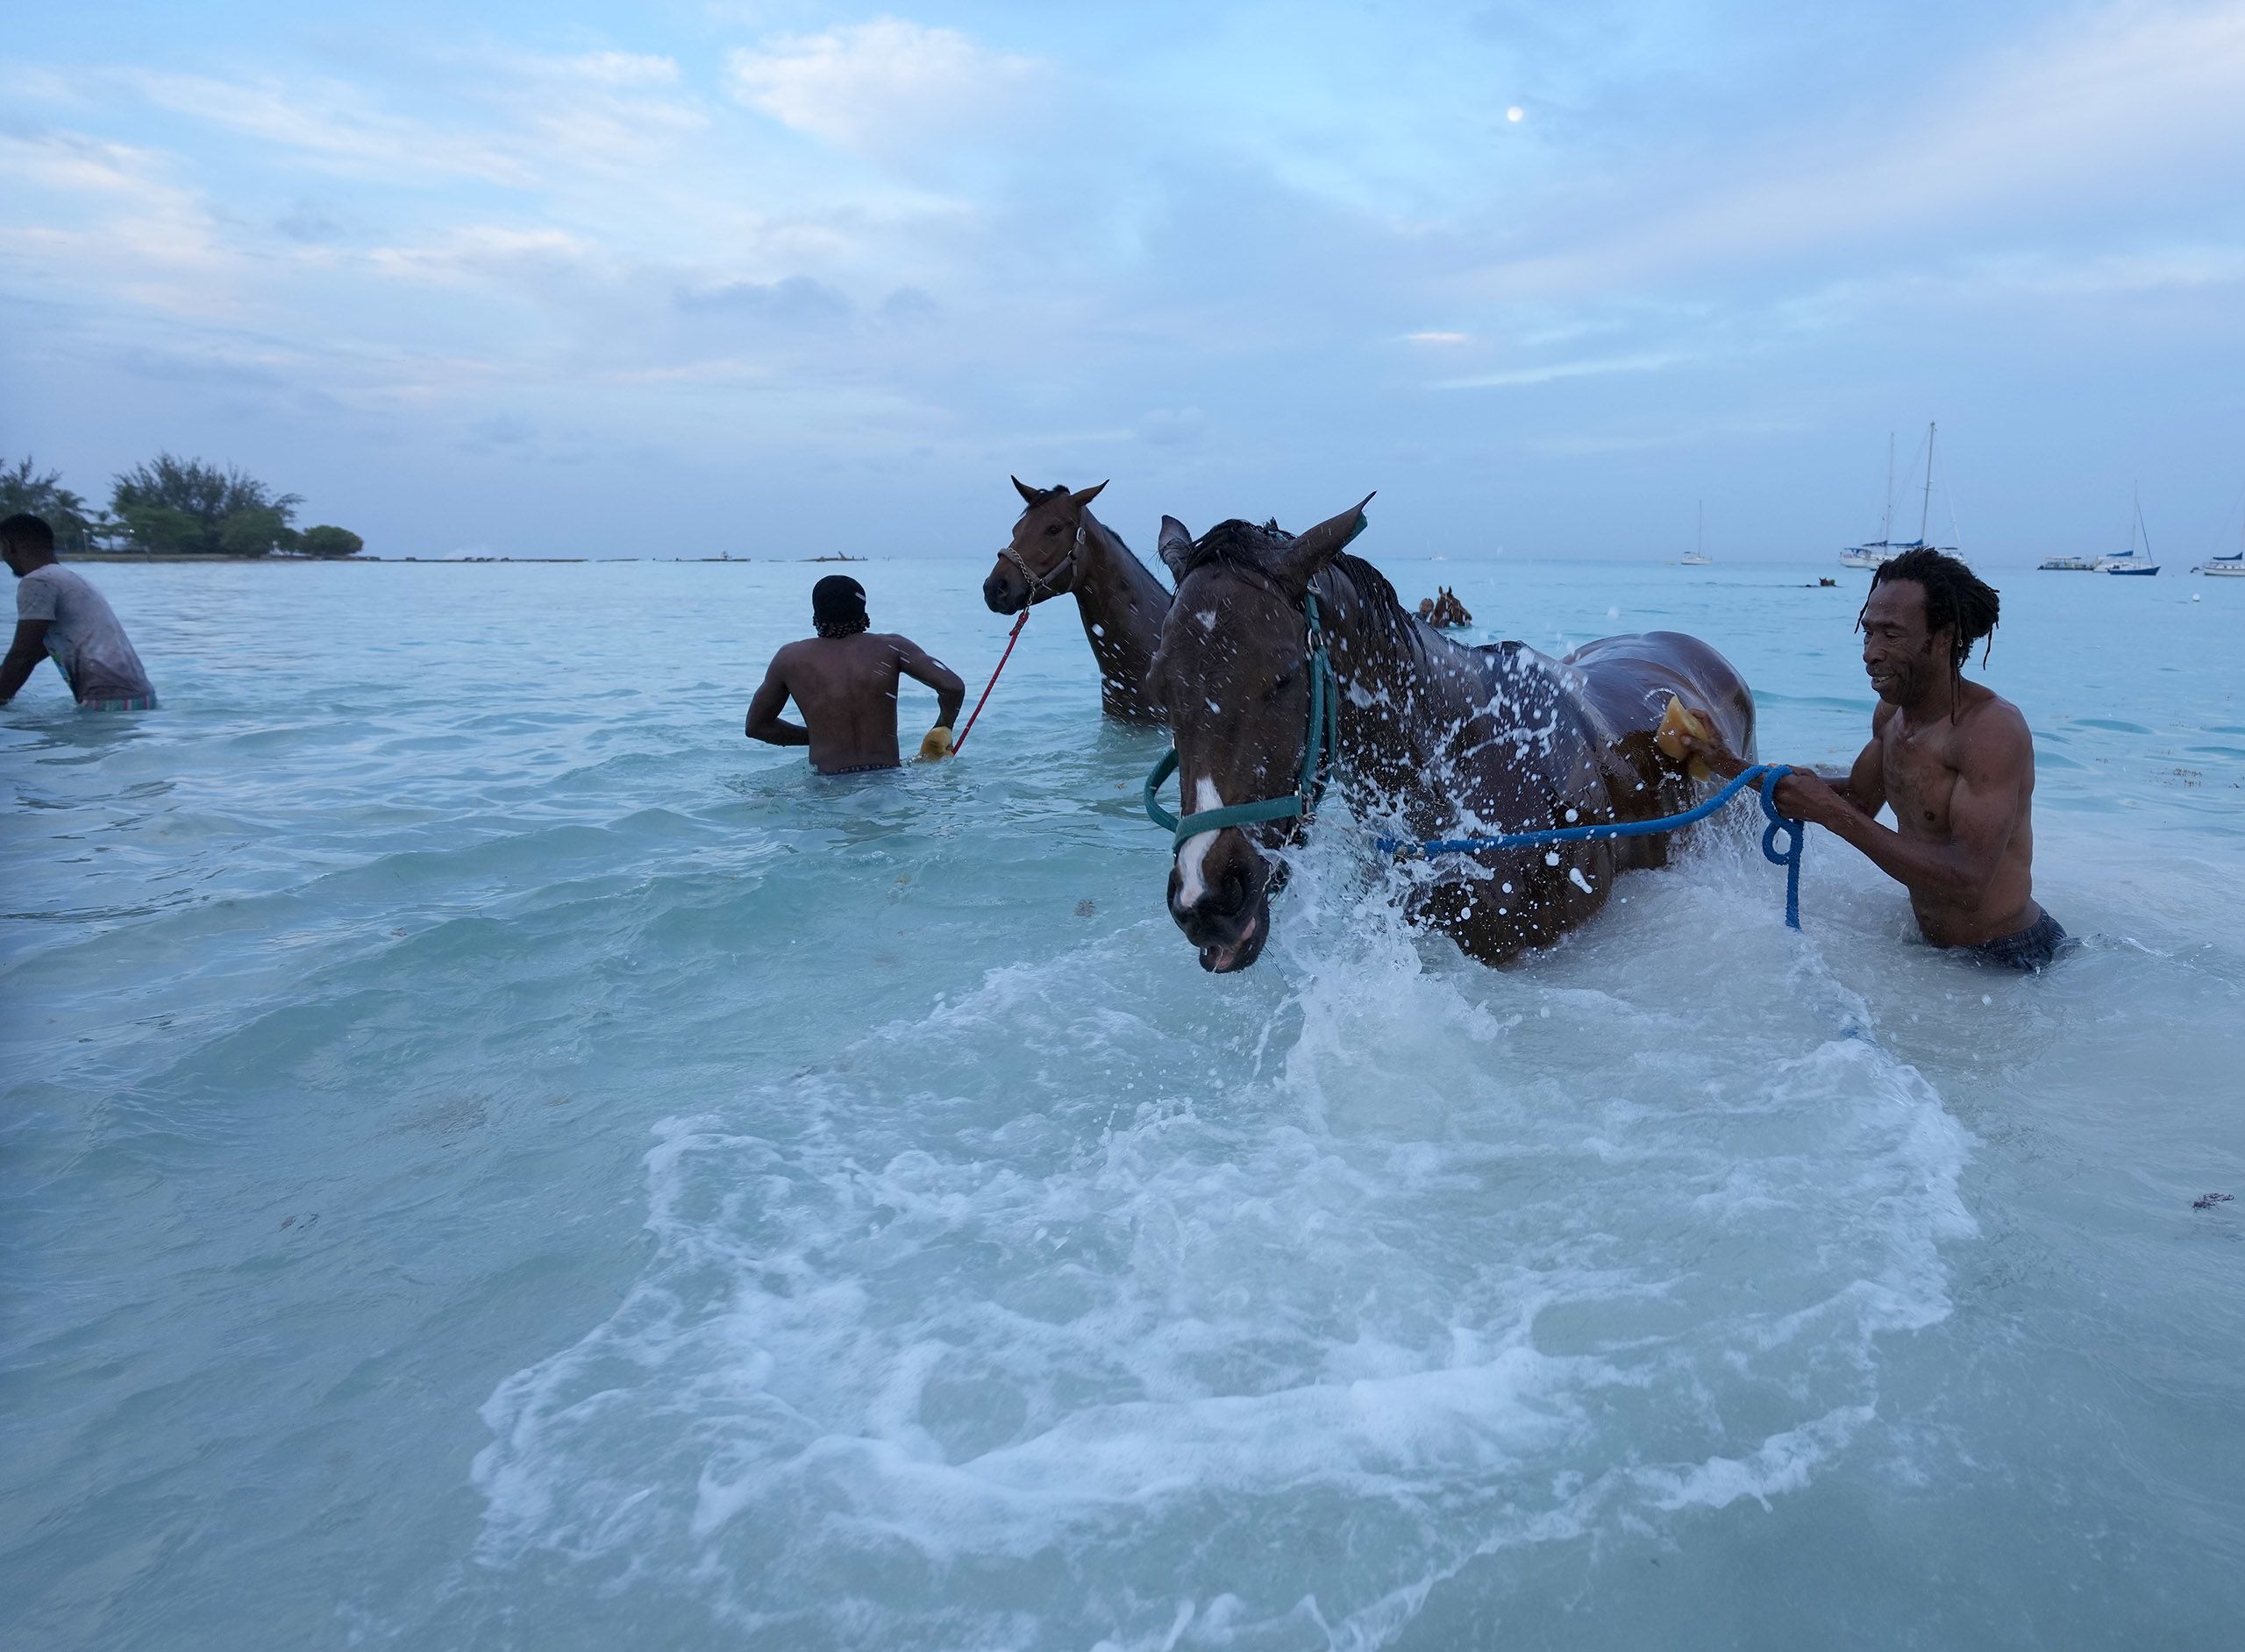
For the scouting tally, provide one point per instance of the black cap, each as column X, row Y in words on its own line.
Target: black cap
column 837, row 605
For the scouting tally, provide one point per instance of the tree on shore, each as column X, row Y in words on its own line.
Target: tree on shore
column 23, row 488
column 328, row 541
column 184, row 507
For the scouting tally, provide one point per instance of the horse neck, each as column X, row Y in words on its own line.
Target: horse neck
column 1120, row 602
column 1417, row 709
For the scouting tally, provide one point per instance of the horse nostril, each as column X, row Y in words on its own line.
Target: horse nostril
column 1233, row 889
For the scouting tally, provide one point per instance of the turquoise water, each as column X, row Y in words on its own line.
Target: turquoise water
column 492, row 1160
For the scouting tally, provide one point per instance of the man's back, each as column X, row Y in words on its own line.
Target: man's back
column 845, row 686
column 83, row 636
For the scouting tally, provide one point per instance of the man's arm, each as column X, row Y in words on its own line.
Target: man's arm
column 765, row 722
column 1998, row 755
column 24, row 655
column 1865, row 785
column 1865, row 788
column 918, row 664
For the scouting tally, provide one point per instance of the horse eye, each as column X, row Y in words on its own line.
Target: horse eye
column 1054, row 529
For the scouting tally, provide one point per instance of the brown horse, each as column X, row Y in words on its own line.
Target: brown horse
column 1443, row 611
column 1057, row 548
column 1433, row 738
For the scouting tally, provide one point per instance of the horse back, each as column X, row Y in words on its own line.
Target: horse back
column 1625, row 683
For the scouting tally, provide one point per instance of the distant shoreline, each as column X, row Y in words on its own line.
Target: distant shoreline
column 179, row 557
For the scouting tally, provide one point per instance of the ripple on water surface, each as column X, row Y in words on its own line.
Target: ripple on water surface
column 1376, row 1276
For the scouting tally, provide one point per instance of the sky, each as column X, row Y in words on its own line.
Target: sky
column 787, row 279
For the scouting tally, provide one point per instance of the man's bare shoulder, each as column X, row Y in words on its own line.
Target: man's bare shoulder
column 1881, row 715
column 1993, row 729
column 790, row 657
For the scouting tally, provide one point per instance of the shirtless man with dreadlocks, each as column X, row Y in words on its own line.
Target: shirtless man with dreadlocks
column 1953, row 760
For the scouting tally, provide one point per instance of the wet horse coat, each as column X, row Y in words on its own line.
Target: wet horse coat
column 1434, row 739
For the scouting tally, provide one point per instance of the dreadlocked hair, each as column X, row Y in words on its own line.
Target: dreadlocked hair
column 1956, row 599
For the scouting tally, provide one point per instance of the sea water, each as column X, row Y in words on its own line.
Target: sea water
column 494, row 1160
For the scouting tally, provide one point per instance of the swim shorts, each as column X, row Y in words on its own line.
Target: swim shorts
column 130, row 702
column 2033, row 947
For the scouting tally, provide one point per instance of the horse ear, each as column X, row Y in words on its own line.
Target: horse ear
column 1084, row 498
column 1175, row 546
column 1305, row 556
column 1027, row 492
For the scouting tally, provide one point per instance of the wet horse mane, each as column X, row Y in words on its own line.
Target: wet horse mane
column 1246, row 545
column 1045, row 496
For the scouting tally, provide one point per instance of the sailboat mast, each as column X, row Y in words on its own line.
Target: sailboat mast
column 1886, row 521
column 1926, row 514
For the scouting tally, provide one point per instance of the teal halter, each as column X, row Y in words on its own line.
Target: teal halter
column 1319, row 745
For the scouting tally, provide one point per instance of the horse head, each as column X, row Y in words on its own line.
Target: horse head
column 1234, row 672
column 1039, row 561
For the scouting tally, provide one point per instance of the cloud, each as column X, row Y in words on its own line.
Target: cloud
column 909, row 307
column 1652, row 362
column 329, row 122
column 1177, row 427
column 885, row 87
column 503, row 431
column 305, row 222
column 116, row 223
column 797, row 301
column 486, row 252
column 622, row 68
column 2096, row 107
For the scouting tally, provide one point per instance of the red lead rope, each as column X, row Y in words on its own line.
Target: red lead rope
column 993, row 683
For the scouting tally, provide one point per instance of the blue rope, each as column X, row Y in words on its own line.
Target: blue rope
column 1780, row 826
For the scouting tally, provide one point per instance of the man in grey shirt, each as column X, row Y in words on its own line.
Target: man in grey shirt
column 58, row 613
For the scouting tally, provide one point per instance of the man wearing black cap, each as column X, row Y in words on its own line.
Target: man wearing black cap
column 844, row 681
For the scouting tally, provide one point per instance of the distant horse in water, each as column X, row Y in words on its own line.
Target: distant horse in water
column 1058, row 548
column 1430, row 736
column 1443, row 611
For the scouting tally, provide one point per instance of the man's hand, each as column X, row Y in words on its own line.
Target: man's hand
column 1810, row 797
column 1710, row 750
column 937, row 743
column 25, row 652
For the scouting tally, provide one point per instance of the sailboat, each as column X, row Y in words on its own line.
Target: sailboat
column 1699, row 558
column 2229, row 568
column 2129, row 561
column 1872, row 552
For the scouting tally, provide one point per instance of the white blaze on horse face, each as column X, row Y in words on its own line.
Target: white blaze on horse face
column 1193, row 853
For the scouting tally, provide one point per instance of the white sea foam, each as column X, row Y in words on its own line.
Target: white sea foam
column 1371, row 1275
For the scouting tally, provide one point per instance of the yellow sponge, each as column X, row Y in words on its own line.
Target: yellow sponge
column 937, row 743
column 1676, row 724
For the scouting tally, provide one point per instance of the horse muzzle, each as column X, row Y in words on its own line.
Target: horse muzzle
column 1005, row 591
column 1231, row 920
